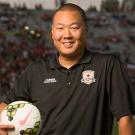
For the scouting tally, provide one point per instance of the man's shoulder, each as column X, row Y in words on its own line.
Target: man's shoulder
column 42, row 62
column 104, row 56
column 104, row 59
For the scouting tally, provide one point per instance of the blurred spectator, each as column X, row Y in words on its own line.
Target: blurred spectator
column 25, row 37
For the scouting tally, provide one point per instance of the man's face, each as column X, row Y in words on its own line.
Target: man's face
column 68, row 33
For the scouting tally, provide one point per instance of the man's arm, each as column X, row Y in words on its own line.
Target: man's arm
column 126, row 125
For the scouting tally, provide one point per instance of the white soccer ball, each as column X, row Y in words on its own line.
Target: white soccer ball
column 24, row 116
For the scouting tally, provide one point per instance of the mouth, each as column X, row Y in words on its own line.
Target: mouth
column 67, row 44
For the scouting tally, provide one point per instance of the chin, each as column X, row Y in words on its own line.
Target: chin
column 68, row 55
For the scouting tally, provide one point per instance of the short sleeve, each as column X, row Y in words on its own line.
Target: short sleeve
column 120, row 89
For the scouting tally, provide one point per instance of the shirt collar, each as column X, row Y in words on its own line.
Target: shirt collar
column 54, row 63
column 86, row 57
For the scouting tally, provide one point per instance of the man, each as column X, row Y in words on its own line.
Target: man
column 77, row 92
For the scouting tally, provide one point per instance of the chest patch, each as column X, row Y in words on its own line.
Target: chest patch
column 88, row 77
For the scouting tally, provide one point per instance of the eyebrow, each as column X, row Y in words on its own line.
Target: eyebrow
column 74, row 23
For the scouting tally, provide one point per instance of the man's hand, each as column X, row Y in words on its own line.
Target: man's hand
column 2, row 106
column 126, row 125
column 5, row 128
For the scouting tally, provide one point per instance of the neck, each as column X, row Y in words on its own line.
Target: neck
column 68, row 62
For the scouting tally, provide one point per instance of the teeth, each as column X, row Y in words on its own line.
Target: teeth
column 67, row 43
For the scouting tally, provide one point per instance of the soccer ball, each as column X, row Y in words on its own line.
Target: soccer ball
column 24, row 116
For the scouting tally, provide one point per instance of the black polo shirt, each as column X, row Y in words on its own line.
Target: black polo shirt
column 81, row 100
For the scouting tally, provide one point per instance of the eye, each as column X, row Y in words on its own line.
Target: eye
column 75, row 28
column 59, row 28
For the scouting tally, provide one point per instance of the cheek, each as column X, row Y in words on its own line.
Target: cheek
column 79, row 37
column 56, row 36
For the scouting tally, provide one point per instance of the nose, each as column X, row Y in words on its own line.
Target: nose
column 67, row 33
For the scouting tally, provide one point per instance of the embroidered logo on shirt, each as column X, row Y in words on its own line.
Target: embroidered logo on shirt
column 88, row 77
column 50, row 80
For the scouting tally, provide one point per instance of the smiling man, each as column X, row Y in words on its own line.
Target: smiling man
column 69, row 36
column 78, row 92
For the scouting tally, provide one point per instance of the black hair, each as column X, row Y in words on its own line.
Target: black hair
column 72, row 7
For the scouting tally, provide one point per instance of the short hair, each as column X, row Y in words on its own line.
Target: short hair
column 72, row 7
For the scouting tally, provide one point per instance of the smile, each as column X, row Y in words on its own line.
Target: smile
column 68, row 44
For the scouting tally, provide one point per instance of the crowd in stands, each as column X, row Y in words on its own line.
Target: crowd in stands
column 25, row 37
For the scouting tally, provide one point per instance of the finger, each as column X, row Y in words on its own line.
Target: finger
column 3, row 132
column 2, row 126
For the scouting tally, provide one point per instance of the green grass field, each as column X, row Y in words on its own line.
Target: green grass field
column 115, row 128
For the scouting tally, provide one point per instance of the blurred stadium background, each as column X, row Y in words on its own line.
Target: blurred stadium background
column 25, row 33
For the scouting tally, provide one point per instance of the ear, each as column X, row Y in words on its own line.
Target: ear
column 52, row 32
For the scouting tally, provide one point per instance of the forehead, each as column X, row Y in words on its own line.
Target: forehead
column 66, row 16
